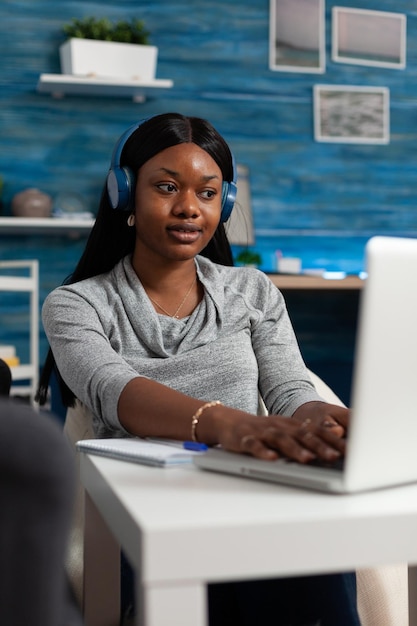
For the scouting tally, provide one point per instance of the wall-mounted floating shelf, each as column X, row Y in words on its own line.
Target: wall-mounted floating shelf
column 45, row 226
column 60, row 85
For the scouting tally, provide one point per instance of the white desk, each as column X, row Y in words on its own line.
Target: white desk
column 182, row 528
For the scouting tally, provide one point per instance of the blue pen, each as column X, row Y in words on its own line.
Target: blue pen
column 194, row 445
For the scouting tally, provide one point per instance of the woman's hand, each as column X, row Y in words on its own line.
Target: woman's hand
column 324, row 414
column 316, row 431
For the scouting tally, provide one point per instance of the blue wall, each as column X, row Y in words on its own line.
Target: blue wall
column 318, row 201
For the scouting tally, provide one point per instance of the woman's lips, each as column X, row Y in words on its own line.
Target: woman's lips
column 186, row 233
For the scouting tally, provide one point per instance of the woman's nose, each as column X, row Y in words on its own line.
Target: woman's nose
column 187, row 204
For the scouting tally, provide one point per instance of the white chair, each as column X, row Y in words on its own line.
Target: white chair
column 78, row 425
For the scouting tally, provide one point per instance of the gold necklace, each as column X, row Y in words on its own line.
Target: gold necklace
column 181, row 303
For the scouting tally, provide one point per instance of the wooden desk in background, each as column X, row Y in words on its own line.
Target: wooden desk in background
column 305, row 281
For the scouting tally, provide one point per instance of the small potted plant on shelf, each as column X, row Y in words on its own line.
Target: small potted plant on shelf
column 99, row 48
column 249, row 258
column 104, row 30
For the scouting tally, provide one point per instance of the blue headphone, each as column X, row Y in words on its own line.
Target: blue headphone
column 121, row 181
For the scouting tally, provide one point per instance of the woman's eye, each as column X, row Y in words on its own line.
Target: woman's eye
column 169, row 187
column 208, row 194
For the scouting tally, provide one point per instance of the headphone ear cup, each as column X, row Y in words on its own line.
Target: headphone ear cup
column 228, row 199
column 120, row 188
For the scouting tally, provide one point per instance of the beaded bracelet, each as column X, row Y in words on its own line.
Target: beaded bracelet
column 197, row 415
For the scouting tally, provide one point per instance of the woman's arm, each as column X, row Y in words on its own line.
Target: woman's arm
column 164, row 412
column 79, row 332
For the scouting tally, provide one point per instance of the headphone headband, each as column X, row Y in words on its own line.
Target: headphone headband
column 121, row 181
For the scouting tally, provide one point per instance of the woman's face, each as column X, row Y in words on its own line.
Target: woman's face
column 177, row 203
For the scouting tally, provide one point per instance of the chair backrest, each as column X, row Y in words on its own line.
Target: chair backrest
column 78, row 425
column 324, row 390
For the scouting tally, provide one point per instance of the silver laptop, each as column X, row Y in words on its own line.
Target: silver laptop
column 382, row 439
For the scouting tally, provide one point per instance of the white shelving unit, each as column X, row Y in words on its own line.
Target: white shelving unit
column 59, row 85
column 30, row 283
column 45, row 226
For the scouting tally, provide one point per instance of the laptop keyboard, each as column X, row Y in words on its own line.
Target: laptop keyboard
column 335, row 465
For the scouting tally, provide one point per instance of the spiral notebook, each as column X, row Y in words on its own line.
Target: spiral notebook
column 137, row 450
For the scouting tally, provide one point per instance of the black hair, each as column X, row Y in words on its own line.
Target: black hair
column 111, row 238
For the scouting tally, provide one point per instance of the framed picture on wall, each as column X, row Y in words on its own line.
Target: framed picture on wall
column 364, row 37
column 349, row 114
column 296, row 36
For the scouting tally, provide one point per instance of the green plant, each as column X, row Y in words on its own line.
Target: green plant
column 248, row 257
column 103, row 29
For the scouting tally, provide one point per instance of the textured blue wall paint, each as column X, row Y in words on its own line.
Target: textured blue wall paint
column 317, row 201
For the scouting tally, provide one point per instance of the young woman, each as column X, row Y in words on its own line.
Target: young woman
column 158, row 335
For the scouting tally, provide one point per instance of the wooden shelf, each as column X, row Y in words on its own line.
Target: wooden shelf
column 60, row 85
column 45, row 226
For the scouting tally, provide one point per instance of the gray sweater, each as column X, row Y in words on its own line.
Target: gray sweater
column 104, row 332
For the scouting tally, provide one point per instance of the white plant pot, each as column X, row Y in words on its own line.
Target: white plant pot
column 88, row 57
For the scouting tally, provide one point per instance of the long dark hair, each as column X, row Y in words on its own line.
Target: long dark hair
column 111, row 238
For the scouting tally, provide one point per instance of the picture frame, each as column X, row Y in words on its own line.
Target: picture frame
column 365, row 37
column 297, row 36
column 351, row 114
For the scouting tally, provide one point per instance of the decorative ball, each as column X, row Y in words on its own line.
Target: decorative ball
column 31, row 203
